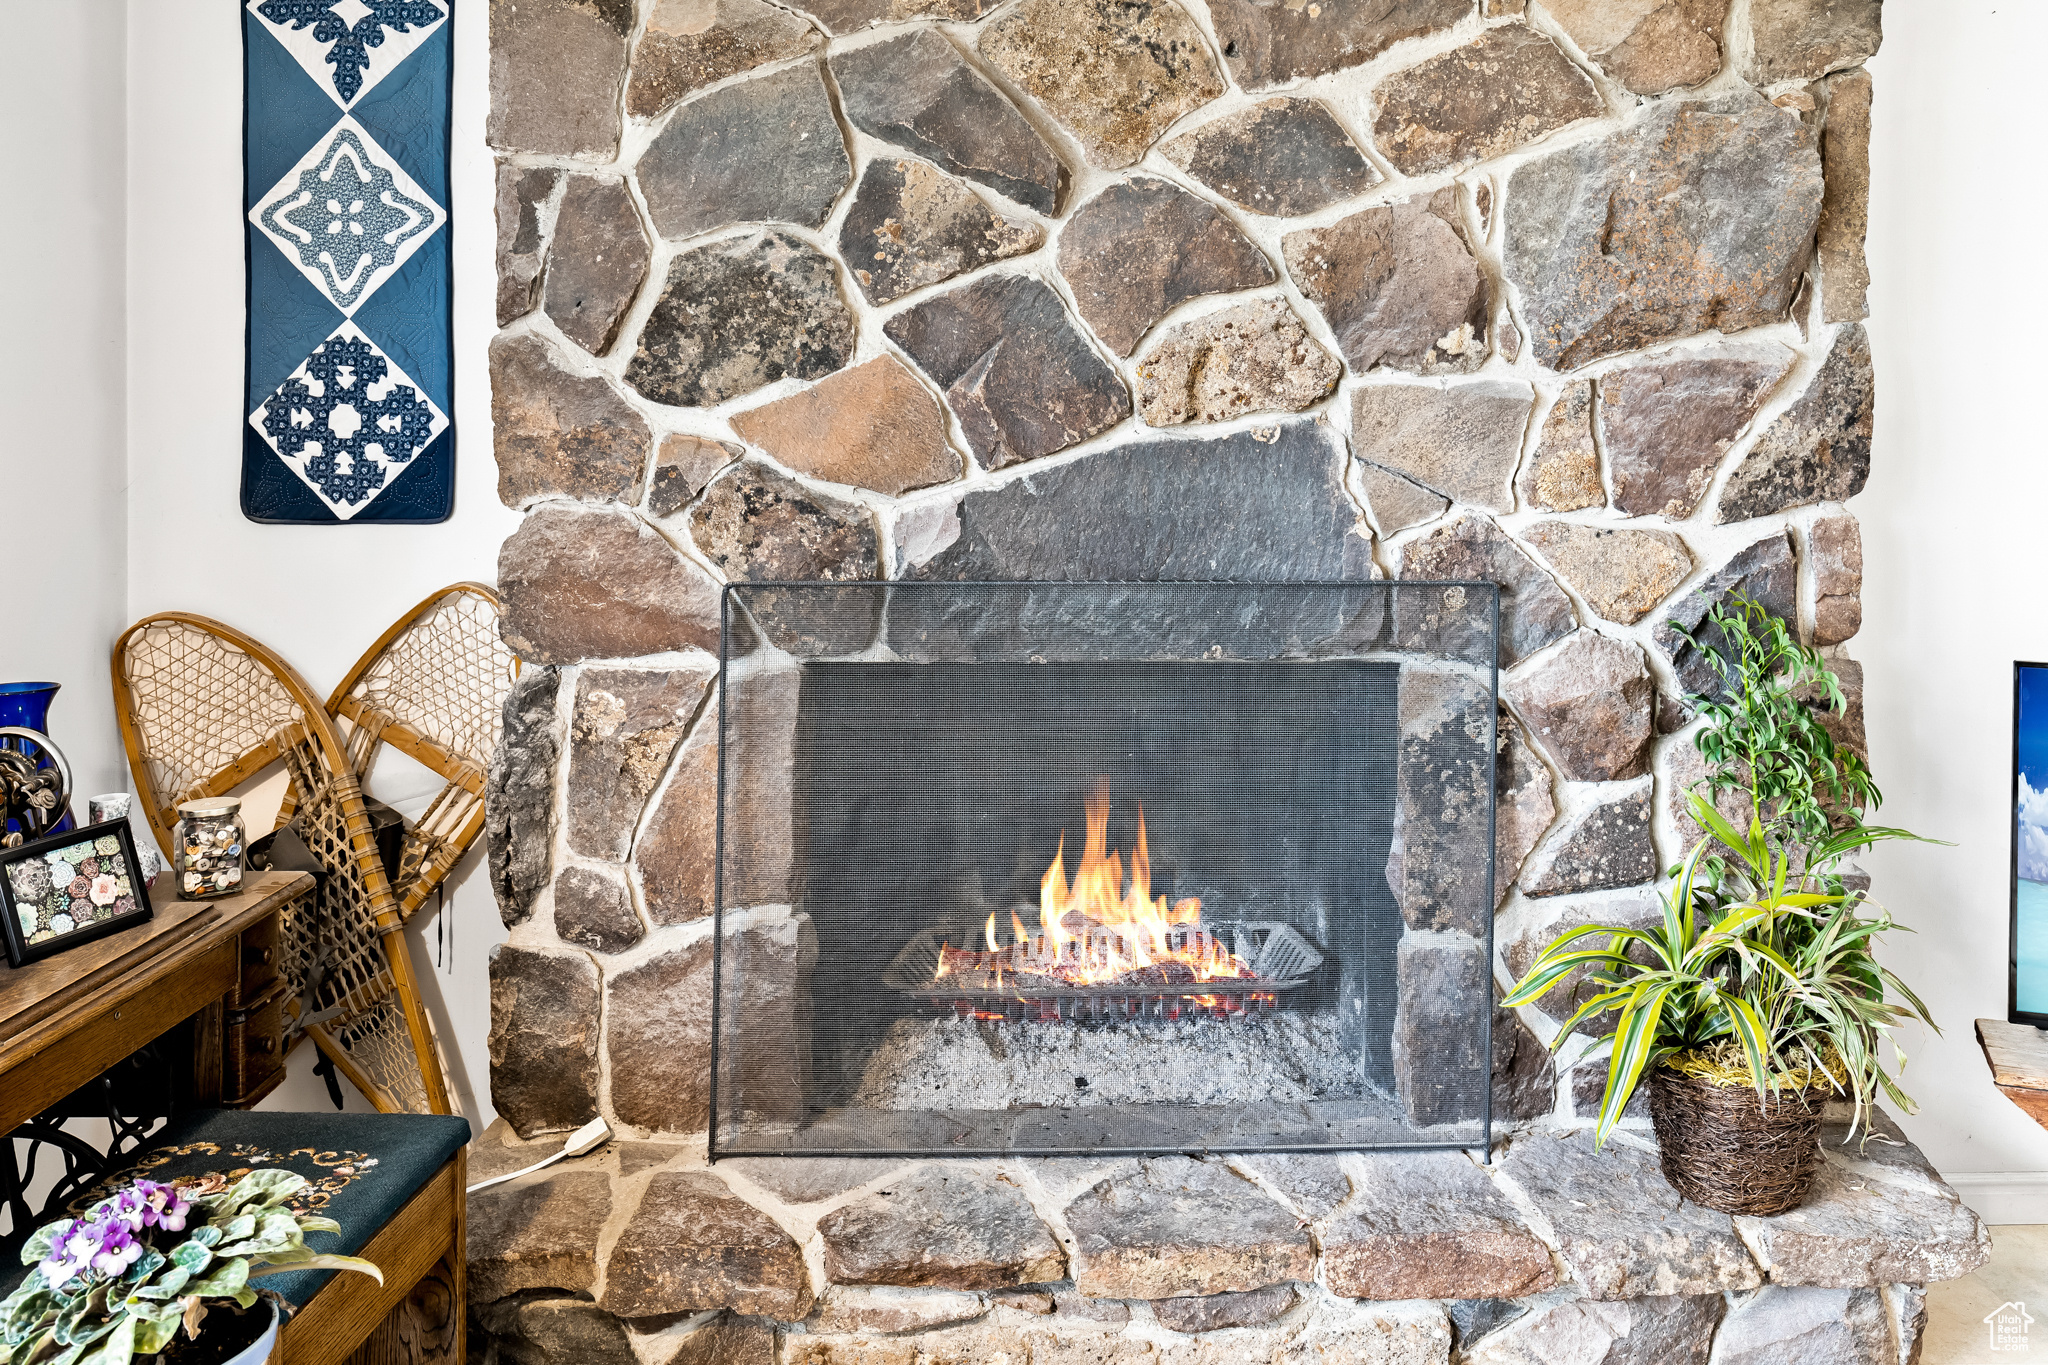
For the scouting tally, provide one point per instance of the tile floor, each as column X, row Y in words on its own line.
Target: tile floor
column 2016, row 1273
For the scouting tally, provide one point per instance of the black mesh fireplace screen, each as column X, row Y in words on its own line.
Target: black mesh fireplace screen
column 1104, row 867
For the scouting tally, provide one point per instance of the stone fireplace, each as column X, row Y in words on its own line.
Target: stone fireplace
column 1102, row 868
column 1559, row 300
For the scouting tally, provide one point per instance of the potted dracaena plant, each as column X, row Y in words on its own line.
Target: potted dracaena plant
column 161, row 1273
column 1759, row 995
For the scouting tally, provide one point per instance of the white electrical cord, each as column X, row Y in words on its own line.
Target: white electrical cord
column 580, row 1141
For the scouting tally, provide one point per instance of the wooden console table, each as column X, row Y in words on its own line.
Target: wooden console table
column 68, row 1018
column 2018, row 1054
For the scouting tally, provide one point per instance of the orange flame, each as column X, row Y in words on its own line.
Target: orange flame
column 1100, row 928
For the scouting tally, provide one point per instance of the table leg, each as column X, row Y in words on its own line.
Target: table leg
column 209, row 1050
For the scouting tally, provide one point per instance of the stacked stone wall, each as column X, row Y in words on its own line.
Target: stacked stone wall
column 1564, row 295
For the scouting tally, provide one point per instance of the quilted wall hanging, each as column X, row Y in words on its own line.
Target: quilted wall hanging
column 350, row 367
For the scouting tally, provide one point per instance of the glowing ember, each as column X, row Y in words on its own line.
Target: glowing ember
column 1101, row 929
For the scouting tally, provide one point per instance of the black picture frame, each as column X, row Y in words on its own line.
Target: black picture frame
column 2013, row 1013
column 21, row 950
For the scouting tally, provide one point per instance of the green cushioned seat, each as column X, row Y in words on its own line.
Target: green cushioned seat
column 364, row 1168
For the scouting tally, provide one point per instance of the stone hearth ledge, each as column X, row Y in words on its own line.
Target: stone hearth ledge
column 642, row 1253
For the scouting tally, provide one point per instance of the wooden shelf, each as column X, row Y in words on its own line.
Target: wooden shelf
column 2018, row 1054
column 67, row 1018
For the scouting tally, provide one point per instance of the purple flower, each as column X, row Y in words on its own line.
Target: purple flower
column 71, row 1252
column 118, row 1249
column 163, row 1206
column 103, row 1243
column 106, row 1239
column 145, row 1204
column 124, row 1207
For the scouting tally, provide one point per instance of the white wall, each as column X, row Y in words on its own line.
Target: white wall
column 62, row 463
column 121, row 405
column 121, row 411
column 1953, row 530
column 317, row 594
column 63, row 466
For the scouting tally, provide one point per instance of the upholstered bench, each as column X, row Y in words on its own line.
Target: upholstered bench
column 393, row 1181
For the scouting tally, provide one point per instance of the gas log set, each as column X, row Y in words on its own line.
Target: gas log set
column 1106, row 950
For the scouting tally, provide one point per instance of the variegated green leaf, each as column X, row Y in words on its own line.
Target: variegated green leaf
column 227, row 1278
column 40, row 1241
column 1634, row 1039
column 324, row 1262
column 1600, row 1003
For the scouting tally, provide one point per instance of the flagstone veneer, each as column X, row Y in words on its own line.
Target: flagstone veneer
column 903, row 289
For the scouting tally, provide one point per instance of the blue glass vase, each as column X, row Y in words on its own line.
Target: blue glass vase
column 27, row 704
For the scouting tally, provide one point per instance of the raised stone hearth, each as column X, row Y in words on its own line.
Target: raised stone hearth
column 639, row 1252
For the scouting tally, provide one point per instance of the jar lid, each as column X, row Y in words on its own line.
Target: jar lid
column 211, row 806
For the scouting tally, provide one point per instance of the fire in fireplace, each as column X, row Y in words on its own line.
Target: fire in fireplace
column 1271, row 929
column 1106, row 949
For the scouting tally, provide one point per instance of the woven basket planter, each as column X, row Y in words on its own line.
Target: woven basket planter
column 1722, row 1150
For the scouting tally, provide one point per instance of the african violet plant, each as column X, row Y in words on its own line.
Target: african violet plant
column 122, row 1280
column 1762, row 971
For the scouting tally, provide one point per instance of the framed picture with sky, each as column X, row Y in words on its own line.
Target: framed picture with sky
column 2027, row 991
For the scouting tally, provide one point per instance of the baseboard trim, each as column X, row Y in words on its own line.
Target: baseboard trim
column 2001, row 1197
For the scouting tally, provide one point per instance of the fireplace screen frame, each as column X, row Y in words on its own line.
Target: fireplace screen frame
column 1453, row 623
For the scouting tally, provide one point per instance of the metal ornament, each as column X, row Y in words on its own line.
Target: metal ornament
column 34, row 797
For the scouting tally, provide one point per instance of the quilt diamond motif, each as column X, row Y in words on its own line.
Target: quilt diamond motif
column 349, row 267
column 348, row 215
column 347, row 46
column 347, row 420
